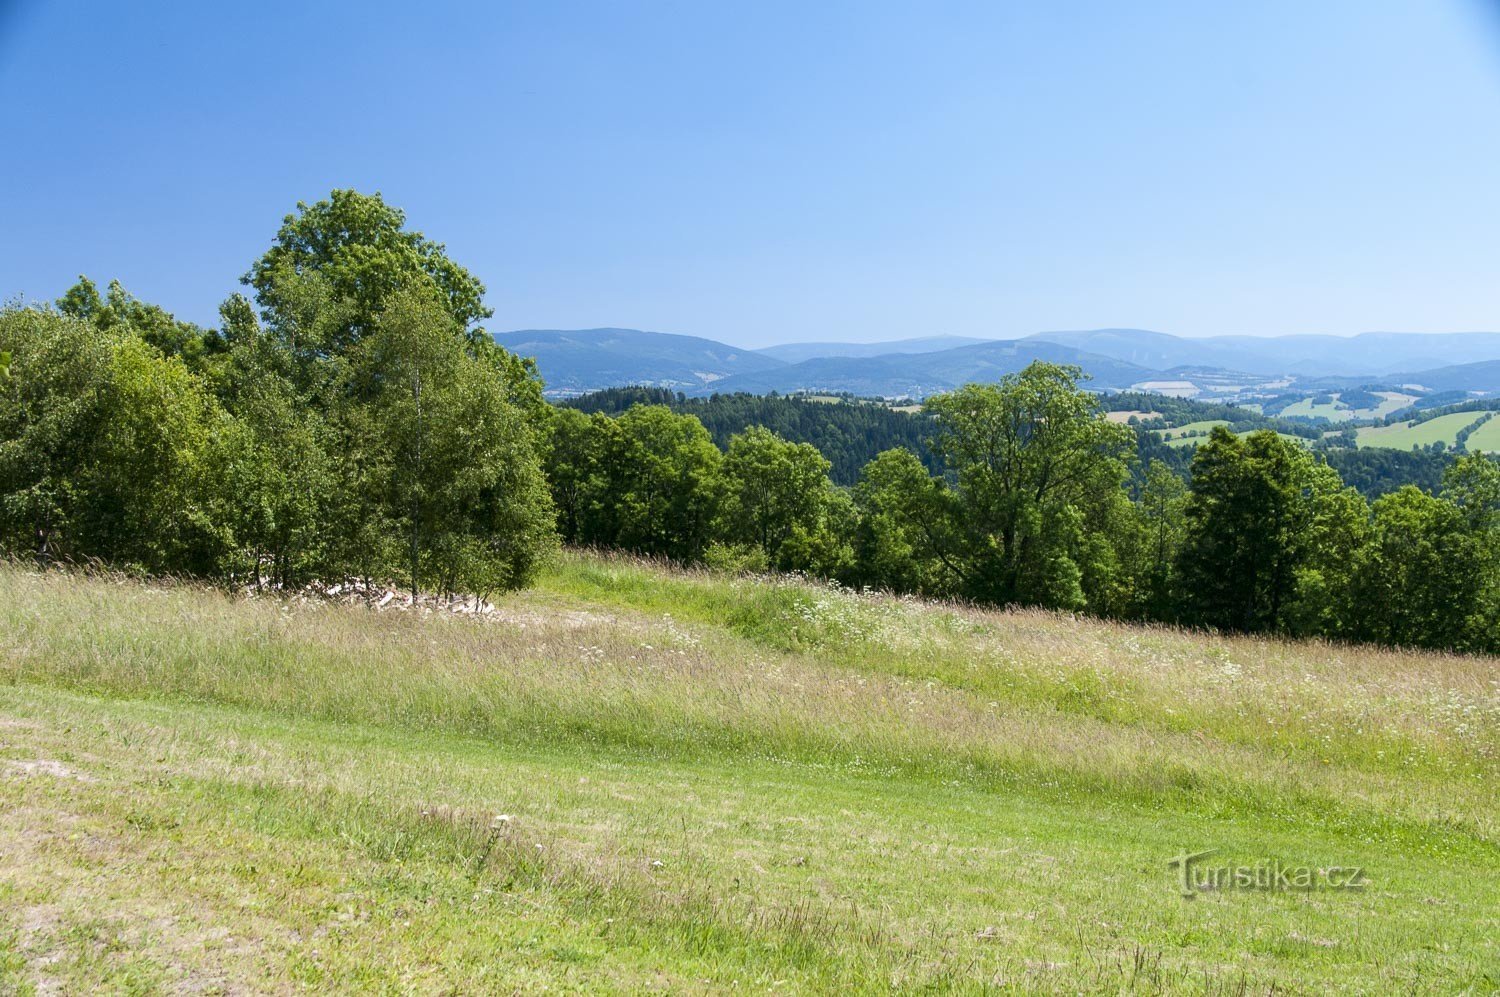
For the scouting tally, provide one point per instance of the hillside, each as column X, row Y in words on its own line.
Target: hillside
column 631, row 778
column 920, row 374
column 1366, row 354
column 588, row 359
column 1244, row 368
column 1481, row 377
column 798, row 352
column 848, row 432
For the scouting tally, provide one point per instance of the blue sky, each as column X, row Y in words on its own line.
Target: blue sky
column 767, row 172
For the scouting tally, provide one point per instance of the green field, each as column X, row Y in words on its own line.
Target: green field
column 1405, row 435
column 1485, row 439
column 632, row 778
column 1175, row 437
column 1336, row 411
column 1178, row 440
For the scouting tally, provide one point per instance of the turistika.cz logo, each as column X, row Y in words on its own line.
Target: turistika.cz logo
column 1195, row 876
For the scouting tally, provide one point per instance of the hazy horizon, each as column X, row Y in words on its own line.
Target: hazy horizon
column 897, row 338
column 845, row 172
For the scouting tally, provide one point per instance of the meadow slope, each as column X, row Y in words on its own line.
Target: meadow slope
column 634, row 777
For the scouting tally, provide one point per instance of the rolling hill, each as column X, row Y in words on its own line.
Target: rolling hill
column 575, row 361
column 1225, row 367
column 1482, row 377
column 798, row 352
column 917, row 375
column 1367, row 354
column 632, row 778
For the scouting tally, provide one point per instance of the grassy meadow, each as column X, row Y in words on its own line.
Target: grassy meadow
column 631, row 777
column 1338, row 411
column 1405, row 435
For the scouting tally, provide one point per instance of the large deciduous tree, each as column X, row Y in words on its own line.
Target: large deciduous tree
column 361, row 251
column 1271, row 534
column 447, row 462
column 1038, row 473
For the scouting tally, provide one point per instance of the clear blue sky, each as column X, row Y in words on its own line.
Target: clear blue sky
column 765, row 172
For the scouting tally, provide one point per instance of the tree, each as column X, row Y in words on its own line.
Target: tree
column 122, row 311
column 102, row 440
column 1271, row 534
column 907, row 526
column 1036, row 466
column 447, row 463
column 661, row 482
column 362, row 253
column 1421, row 579
column 777, row 492
column 1162, row 521
column 570, row 459
column 276, row 479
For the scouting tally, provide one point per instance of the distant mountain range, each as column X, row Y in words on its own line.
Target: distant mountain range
column 576, row 361
column 1374, row 354
column 917, row 375
column 588, row 359
column 798, row 352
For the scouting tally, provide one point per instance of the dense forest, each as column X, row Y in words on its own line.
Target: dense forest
column 849, row 432
column 350, row 418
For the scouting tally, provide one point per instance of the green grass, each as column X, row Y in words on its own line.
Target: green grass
column 1337, row 411
column 714, row 783
column 1405, row 435
column 1176, row 436
column 1179, row 440
column 1485, row 439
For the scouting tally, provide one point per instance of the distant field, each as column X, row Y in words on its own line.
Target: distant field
column 1178, row 440
column 1336, row 411
column 633, row 778
column 1175, row 435
column 1178, row 389
column 1486, row 438
column 1405, row 435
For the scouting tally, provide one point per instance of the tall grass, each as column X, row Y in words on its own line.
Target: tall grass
column 690, row 665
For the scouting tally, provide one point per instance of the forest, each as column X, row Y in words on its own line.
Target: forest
column 350, row 418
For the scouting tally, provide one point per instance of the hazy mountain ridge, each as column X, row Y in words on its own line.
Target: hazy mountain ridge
column 1373, row 354
column 578, row 360
column 574, row 361
column 798, row 352
column 920, row 374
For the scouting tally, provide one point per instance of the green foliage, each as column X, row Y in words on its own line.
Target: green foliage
column 849, row 433
column 648, row 482
column 122, row 312
column 908, row 527
column 1036, row 471
column 778, row 498
column 1377, row 471
column 362, row 425
column 1270, row 535
column 102, row 442
column 1162, row 523
column 431, row 437
column 1421, row 580
column 361, row 253
column 365, row 430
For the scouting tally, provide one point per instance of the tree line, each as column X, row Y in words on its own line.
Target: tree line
column 350, row 418
column 847, row 431
column 352, row 421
